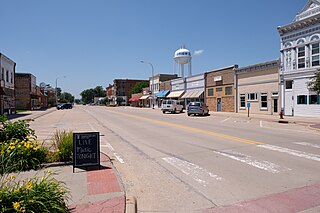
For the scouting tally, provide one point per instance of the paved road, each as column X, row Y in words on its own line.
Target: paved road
column 176, row 163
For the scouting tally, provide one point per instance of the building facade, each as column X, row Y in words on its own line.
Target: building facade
column 122, row 89
column 7, row 89
column 300, row 58
column 155, row 87
column 257, row 87
column 26, row 91
column 220, row 91
column 194, row 89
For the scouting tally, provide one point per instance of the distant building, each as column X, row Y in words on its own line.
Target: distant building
column 258, row 85
column 27, row 97
column 122, row 87
column 300, row 58
column 7, row 89
column 155, row 86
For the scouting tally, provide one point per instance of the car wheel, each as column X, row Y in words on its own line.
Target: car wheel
column 202, row 113
column 189, row 114
column 163, row 112
column 174, row 111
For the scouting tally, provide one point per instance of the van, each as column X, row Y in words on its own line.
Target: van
column 172, row 106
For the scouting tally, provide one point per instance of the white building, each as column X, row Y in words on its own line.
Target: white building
column 7, row 91
column 300, row 58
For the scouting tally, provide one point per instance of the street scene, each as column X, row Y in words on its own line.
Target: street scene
column 162, row 106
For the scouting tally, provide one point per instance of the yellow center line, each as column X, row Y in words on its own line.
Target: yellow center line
column 190, row 128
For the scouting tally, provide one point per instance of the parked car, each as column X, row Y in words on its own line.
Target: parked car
column 197, row 108
column 172, row 106
column 64, row 106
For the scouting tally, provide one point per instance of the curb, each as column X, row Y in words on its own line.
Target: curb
column 131, row 205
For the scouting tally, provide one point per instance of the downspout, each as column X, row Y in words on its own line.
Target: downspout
column 235, row 82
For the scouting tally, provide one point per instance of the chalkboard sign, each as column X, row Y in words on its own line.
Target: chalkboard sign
column 86, row 149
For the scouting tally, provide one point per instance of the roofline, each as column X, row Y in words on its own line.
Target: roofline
column 260, row 66
column 223, row 68
column 1, row 54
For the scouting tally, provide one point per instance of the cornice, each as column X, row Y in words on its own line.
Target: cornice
column 261, row 66
column 298, row 25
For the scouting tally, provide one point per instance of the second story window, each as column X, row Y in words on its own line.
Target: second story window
column 7, row 76
column 11, row 79
column 2, row 73
column 301, row 57
column 315, row 56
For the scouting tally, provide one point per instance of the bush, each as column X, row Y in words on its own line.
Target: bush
column 16, row 130
column 33, row 195
column 63, row 142
column 21, row 155
column 3, row 118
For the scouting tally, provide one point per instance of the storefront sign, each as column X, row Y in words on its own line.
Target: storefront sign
column 217, row 78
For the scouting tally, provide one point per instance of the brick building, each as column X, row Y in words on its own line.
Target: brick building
column 220, row 92
column 26, row 91
column 122, row 88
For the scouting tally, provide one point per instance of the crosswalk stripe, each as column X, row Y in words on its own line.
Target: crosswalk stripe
column 308, row 144
column 264, row 165
column 197, row 173
column 291, row 152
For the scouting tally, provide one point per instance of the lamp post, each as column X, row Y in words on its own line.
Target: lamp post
column 57, row 89
column 152, row 81
column 1, row 97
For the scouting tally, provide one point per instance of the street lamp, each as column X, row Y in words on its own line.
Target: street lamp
column 152, row 81
column 57, row 89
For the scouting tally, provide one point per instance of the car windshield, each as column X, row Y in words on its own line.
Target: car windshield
column 194, row 104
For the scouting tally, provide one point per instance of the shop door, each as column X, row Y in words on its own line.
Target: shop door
column 275, row 105
column 219, row 104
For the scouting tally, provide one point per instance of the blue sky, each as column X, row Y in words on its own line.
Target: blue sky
column 93, row 42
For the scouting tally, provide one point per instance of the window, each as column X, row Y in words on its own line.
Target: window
column 7, row 76
column 219, row 89
column 314, row 99
column 228, row 91
column 210, row 92
column 301, row 57
column 315, row 55
column 252, row 96
column 2, row 74
column 11, row 80
column 301, row 99
column 264, row 101
column 242, row 101
column 289, row 84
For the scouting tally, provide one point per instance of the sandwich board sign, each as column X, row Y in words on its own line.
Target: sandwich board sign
column 86, row 149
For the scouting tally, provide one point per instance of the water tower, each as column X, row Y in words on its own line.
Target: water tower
column 183, row 56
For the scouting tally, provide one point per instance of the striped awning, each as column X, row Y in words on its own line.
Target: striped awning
column 176, row 94
column 144, row 97
column 193, row 94
column 162, row 93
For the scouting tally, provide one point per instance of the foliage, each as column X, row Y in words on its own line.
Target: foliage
column 66, row 97
column 51, row 101
column 77, row 101
column 138, row 87
column 21, row 155
column 15, row 130
column 314, row 84
column 63, row 143
column 105, row 101
column 119, row 100
column 3, row 118
column 89, row 94
column 44, row 194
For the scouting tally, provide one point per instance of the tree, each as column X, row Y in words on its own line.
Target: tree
column 314, row 84
column 87, row 96
column 119, row 100
column 99, row 91
column 138, row 87
column 67, row 97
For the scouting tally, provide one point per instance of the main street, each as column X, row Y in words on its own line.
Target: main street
column 172, row 162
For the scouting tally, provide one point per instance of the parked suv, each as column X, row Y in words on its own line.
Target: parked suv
column 64, row 106
column 197, row 108
column 172, row 106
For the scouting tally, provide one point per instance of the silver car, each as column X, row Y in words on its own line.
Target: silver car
column 197, row 108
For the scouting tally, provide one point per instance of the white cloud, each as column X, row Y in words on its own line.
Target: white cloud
column 198, row 52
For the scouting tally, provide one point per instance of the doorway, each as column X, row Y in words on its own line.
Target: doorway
column 219, row 104
column 275, row 105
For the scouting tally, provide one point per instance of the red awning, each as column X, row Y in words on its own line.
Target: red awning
column 134, row 99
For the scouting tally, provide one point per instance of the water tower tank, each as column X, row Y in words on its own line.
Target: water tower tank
column 183, row 56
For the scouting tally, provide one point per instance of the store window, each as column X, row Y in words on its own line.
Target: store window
column 315, row 55
column 289, row 84
column 252, row 96
column 219, row 89
column 228, row 91
column 242, row 101
column 210, row 92
column 301, row 99
column 264, row 101
column 301, row 57
column 314, row 99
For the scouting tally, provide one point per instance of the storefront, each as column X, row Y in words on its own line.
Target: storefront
column 195, row 87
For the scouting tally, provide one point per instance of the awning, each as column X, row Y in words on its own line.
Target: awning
column 176, row 94
column 144, row 97
column 134, row 99
column 192, row 94
column 162, row 94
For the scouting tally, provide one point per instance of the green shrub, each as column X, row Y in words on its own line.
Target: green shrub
column 16, row 130
column 3, row 118
column 44, row 194
column 63, row 142
column 21, row 155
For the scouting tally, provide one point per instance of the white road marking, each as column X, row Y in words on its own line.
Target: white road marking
column 225, row 119
column 200, row 175
column 261, row 124
column 109, row 146
column 118, row 157
column 291, row 152
column 264, row 165
column 308, row 144
column 92, row 127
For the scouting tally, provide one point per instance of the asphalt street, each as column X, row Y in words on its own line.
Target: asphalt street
column 176, row 163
